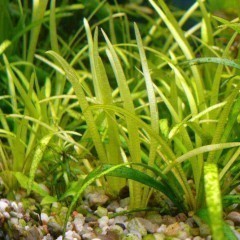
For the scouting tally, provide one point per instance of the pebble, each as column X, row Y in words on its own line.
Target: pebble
column 3, row 206
column 96, row 197
column 44, row 218
column 78, row 222
column 235, row 217
column 26, row 223
column 135, row 226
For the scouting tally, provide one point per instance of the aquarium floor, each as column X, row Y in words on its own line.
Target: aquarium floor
column 94, row 219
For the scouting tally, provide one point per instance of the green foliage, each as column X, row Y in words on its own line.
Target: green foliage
column 156, row 106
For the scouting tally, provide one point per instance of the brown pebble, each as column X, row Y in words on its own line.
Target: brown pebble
column 235, row 217
column 173, row 229
column 168, row 220
column 181, row 217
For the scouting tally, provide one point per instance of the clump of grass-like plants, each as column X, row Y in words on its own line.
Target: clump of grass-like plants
column 155, row 117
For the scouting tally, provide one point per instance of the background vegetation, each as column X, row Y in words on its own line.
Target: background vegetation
column 136, row 90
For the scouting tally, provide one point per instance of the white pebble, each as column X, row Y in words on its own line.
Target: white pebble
column 14, row 221
column 111, row 221
column 6, row 215
column 69, row 226
column 162, row 229
column 26, row 227
column 3, row 206
column 88, row 235
column 44, row 218
column 14, row 206
column 103, row 221
column 104, row 230
column 20, row 215
column 119, row 209
column 78, row 223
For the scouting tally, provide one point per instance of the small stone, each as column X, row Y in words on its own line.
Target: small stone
column 78, row 222
column 91, row 218
column 120, row 209
column 190, row 221
column 229, row 222
column 168, row 220
column 173, row 229
column 117, row 229
column 131, row 236
column 44, row 229
column 22, row 222
column 198, row 238
column 124, row 202
column 150, row 227
column 103, row 221
column 204, row 230
column 194, row 231
column 111, row 235
column 70, row 235
column 183, row 235
column 19, row 215
column 149, row 237
column 155, row 218
column 14, row 221
column 3, row 206
column 159, row 236
column 20, row 207
column 13, row 214
column 104, row 230
column 101, row 211
column 113, row 206
column 181, row 217
column 69, row 226
column 33, row 234
column 60, row 238
column 135, row 226
column 44, row 218
column 162, row 228
column 48, row 237
column 89, row 235
column 235, row 217
column 14, row 206
column 54, row 229
column 96, row 197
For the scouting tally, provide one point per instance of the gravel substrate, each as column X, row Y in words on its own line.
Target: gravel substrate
column 92, row 220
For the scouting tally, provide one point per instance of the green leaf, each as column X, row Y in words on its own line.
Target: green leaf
column 23, row 181
column 136, row 175
column 4, row 45
column 213, row 200
column 36, row 159
column 73, row 78
column 73, row 189
column 48, row 200
column 224, row 61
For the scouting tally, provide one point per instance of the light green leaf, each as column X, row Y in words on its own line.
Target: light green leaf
column 23, row 181
column 213, row 200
